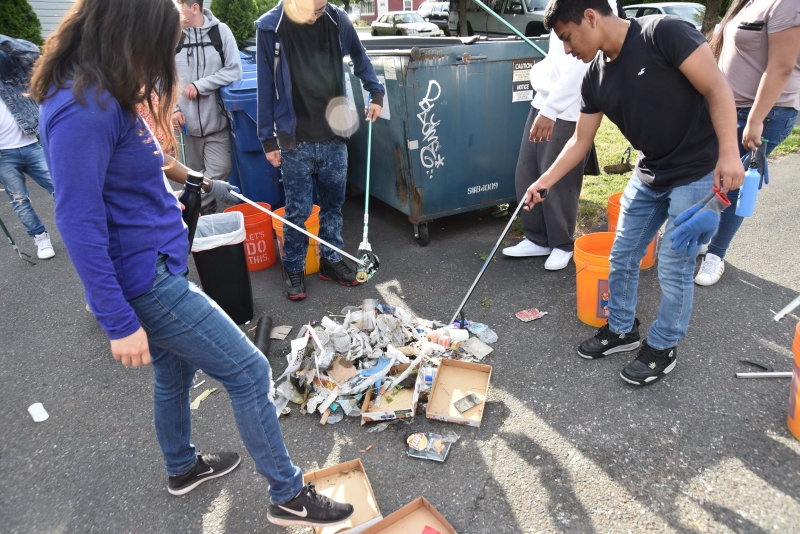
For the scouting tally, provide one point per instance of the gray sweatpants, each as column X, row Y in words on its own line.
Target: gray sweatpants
column 550, row 223
column 210, row 155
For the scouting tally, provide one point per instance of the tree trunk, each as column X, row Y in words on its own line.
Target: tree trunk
column 462, row 18
column 712, row 15
column 346, row 4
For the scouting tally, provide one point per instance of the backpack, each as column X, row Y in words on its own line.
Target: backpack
column 215, row 41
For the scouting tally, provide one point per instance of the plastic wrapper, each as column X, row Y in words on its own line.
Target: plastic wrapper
column 335, row 417
column 349, row 406
column 428, row 446
column 484, row 333
column 288, row 391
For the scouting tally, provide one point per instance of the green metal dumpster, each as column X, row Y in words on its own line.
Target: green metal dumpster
column 456, row 112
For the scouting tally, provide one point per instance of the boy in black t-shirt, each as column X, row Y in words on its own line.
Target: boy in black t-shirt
column 657, row 80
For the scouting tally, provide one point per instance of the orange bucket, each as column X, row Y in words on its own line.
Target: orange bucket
column 259, row 245
column 591, row 276
column 613, row 214
column 312, row 225
column 794, row 396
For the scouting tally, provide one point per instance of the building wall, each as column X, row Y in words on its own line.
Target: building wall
column 392, row 5
column 50, row 13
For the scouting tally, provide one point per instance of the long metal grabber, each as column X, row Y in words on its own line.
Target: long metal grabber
column 509, row 26
column 543, row 194
column 787, row 310
column 287, row 223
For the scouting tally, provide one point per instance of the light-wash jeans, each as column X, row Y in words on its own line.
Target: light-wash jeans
column 29, row 160
column 642, row 213
column 187, row 331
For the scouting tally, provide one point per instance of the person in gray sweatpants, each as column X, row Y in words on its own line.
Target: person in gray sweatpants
column 206, row 59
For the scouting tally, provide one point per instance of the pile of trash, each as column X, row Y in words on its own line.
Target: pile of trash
column 372, row 355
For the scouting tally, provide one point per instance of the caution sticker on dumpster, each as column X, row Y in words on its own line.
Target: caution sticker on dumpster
column 522, row 70
column 521, row 92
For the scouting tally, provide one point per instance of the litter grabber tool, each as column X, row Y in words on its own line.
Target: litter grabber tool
column 362, row 265
column 14, row 245
column 371, row 261
column 624, row 164
column 767, row 372
column 697, row 225
column 460, row 310
column 789, row 308
column 508, row 25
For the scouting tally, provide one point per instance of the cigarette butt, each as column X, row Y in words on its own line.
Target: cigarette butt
column 368, row 447
column 362, row 450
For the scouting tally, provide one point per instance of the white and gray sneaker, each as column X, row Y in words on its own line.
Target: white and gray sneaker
column 44, row 247
column 526, row 248
column 558, row 259
column 710, row 270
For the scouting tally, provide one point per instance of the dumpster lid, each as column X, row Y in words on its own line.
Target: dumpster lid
column 406, row 43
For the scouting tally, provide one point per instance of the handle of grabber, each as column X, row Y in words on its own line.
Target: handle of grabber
column 365, row 241
column 301, row 230
column 508, row 25
column 543, row 194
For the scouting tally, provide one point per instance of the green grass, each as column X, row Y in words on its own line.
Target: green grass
column 789, row 145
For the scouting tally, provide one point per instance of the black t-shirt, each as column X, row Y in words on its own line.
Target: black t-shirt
column 316, row 68
column 654, row 105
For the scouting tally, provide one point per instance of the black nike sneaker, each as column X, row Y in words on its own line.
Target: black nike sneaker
column 295, row 284
column 606, row 342
column 650, row 365
column 206, row 467
column 309, row 508
column 337, row 271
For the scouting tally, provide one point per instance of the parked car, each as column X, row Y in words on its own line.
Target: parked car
column 527, row 16
column 404, row 23
column 694, row 13
column 436, row 12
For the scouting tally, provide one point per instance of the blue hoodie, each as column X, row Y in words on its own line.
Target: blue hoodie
column 275, row 112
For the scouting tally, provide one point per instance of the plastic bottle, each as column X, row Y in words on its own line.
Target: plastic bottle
column 190, row 198
column 749, row 190
column 484, row 333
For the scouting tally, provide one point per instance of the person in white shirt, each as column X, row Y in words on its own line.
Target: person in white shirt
column 549, row 226
column 20, row 151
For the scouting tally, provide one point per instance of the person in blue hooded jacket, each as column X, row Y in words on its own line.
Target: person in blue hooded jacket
column 301, row 85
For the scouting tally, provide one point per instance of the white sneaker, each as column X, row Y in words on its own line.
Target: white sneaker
column 703, row 250
column 710, row 271
column 526, row 248
column 45, row 248
column 558, row 260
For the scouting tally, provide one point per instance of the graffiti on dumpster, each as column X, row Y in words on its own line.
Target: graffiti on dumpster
column 429, row 155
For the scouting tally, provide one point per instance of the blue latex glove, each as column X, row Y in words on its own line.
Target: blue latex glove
column 220, row 191
column 697, row 225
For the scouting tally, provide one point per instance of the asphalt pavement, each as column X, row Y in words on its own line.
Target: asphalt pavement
column 565, row 444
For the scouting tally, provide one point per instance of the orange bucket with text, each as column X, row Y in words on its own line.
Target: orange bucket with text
column 259, row 244
column 794, row 396
column 613, row 214
column 312, row 225
column 591, row 276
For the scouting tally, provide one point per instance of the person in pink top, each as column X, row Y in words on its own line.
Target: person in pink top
column 757, row 47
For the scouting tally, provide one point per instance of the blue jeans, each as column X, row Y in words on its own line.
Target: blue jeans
column 642, row 213
column 777, row 126
column 187, row 331
column 326, row 163
column 14, row 162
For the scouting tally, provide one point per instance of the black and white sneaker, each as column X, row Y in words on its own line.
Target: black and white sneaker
column 208, row 466
column 309, row 508
column 650, row 365
column 606, row 342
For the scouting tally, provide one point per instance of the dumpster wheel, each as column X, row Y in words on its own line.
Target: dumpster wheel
column 421, row 234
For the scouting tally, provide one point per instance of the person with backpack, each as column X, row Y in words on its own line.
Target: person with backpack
column 207, row 59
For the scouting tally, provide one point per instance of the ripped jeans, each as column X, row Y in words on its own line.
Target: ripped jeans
column 29, row 160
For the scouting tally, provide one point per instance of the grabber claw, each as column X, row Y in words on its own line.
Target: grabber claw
column 368, row 267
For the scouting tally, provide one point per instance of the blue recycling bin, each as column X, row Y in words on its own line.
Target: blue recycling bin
column 258, row 179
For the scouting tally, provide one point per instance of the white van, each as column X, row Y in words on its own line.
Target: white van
column 525, row 15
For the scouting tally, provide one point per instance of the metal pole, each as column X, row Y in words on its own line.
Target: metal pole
column 787, row 310
column 773, row 374
column 284, row 221
column 509, row 26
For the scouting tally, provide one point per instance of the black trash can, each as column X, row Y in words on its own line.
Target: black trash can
column 218, row 252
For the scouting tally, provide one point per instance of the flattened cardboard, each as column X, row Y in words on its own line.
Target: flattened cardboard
column 402, row 406
column 412, row 518
column 347, row 482
column 455, row 380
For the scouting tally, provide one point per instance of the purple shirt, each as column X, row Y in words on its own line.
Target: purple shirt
column 114, row 208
